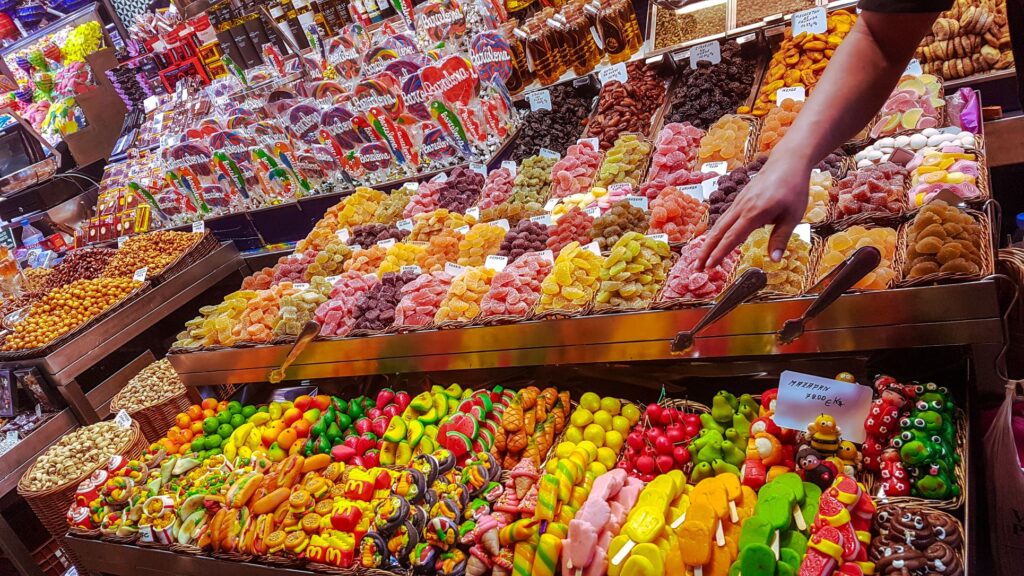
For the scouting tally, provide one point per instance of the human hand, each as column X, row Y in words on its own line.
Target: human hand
column 777, row 195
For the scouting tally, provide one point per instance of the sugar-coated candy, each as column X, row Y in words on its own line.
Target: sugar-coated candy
column 633, row 272
column 621, row 219
column 465, row 294
column 461, row 190
column 292, row 268
column 776, row 123
column 442, row 247
column 947, row 168
column 574, row 226
column 401, row 254
column 627, row 107
column 376, row 309
column 704, row 94
column 677, row 214
column 877, row 188
column 915, row 104
column 573, row 280
column 497, row 188
column 426, row 224
column 359, row 207
column 943, row 239
column 256, row 322
column 515, row 290
column 675, row 149
column 421, row 298
column 883, row 148
column 320, row 236
column 583, row 200
column 624, row 162
column 298, row 308
column 533, row 181
column 726, row 141
column 367, row 260
column 424, row 200
column 370, row 234
column 818, row 197
column 259, row 280
column 574, row 173
column 390, row 209
column 215, row 325
column 730, row 185
column 330, row 261
column 687, row 280
column 512, row 211
column 789, row 274
column 481, row 241
column 843, row 244
column 526, row 236
column 336, row 315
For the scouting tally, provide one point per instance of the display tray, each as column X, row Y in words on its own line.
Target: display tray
column 17, row 460
column 920, row 316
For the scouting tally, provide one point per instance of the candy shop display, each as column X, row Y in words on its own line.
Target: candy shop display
column 943, row 239
column 442, row 247
column 573, row 226
column 882, row 149
column 674, row 161
column 789, row 274
column 399, row 255
column 776, row 123
column 625, row 162
column 375, row 310
column 627, row 107
column 465, row 295
column 678, row 214
column 497, row 188
column 330, row 261
column 527, row 236
column 620, row 220
column 633, row 272
column 370, row 234
column 573, row 280
column 948, row 168
column 516, row 289
column 801, row 60
column 819, row 196
column 421, row 298
column 366, row 260
column 424, row 200
column 872, row 189
column 533, row 181
column 842, row 245
column 704, row 94
column 299, row 308
column 915, row 104
column 153, row 251
column 686, row 281
column 555, row 129
column 391, row 208
column 461, row 190
column 726, row 141
column 426, row 225
column 970, row 38
column 337, row 315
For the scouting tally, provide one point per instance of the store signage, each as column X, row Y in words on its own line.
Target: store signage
column 405, row 224
column 342, row 235
column 539, row 100
column 453, row 269
column 7, row 238
column 410, row 268
column 716, row 167
column 710, row 51
column 813, row 21
column 794, row 93
column 638, row 201
column 503, row 223
column 140, row 274
column 510, row 166
column 592, row 142
column 803, row 397
column 199, row 227
column 480, row 169
column 474, row 212
column 659, row 237
column 616, row 73
column 496, row 263
column 544, row 219
column 803, row 232
column 913, row 68
column 693, row 190
column 550, row 154
column 387, row 243
column 123, row 420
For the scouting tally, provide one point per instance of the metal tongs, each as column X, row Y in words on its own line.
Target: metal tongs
column 309, row 331
column 748, row 284
column 836, row 282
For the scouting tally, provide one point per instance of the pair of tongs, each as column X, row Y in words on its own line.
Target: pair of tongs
column 309, row 331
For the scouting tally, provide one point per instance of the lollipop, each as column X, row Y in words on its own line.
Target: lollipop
column 44, row 82
column 23, row 63
column 52, row 52
column 491, row 55
column 7, row 28
column 24, row 95
column 37, row 59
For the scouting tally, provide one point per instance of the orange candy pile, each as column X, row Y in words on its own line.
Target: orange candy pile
column 677, row 214
column 256, row 323
column 443, row 247
column 776, row 123
column 367, row 260
column 726, row 141
column 467, row 291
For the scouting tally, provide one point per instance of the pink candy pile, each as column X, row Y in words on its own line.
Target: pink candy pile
column 685, row 280
column 575, row 172
column 674, row 162
column 421, row 298
column 292, row 268
column 424, row 200
column 497, row 188
column 516, row 289
column 876, row 188
column 336, row 315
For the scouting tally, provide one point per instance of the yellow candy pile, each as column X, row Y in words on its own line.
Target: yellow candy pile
column 297, row 309
column 256, row 322
column 841, row 245
column 215, row 324
column 572, row 282
column 481, row 241
column 401, row 254
column 390, row 209
column 624, row 162
column 426, row 224
column 329, row 261
column 634, row 272
column 788, row 275
column 359, row 207
column 726, row 141
column 463, row 299
column 817, row 204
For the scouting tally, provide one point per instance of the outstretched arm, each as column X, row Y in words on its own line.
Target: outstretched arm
column 861, row 75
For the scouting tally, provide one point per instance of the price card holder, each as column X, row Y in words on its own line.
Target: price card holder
column 503, row 223
column 550, row 205
column 709, row 186
column 480, row 169
column 121, row 240
column 659, row 237
column 442, row 177
column 496, row 263
column 719, row 168
column 405, row 224
column 813, row 21
column 621, row 186
column 387, row 243
column 140, row 274
column 803, row 231
column 593, row 248
column 332, row 279
column 463, row 229
column 474, row 212
column 592, row 142
column 616, row 73
column 123, row 420
column 453, row 269
column 548, row 255
column 543, row 219
column 693, row 190
column 539, row 100
column 510, row 166
column 794, row 93
column 300, row 286
column 913, row 68
column 638, row 201
column 342, row 235
column 803, row 397
column 410, row 268
column 710, row 51
column 199, row 227
column 551, row 154
column 593, row 211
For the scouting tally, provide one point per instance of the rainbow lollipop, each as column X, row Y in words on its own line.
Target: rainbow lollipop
column 52, row 52
column 44, row 82
column 37, row 59
column 24, row 64
column 24, row 95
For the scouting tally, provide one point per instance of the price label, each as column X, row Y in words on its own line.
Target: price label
column 803, row 232
column 545, row 219
column 503, row 223
column 621, row 186
column 332, row 279
column 550, row 205
column 140, row 274
column 11, row 437
column 342, row 235
column 463, row 229
column 300, row 286
column 453, row 269
column 548, row 255
column 510, row 166
column 913, row 68
column 803, row 397
column 592, row 142
column 496, row 263
column 616, row 73
column 121, row 240
column 715, row 167
column 551, row 154
column 199, row 227
column 709, row 51
column 410, row 268
column 150, row 104
column 659, row 237
column 708, row 186
column 39, row 410
column 638, row 201
column 593, row 211
column 539, row 100
column 480, row 169
column 794, row 93
column 594, row 248
column 405, row 224
column 355, row 247
column 474, row 212
column 387, row 243
column 813, row 21
column 442, row 177
column 693, row 190
column 123, row 420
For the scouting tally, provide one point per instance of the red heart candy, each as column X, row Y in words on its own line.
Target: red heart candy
column 454, row 77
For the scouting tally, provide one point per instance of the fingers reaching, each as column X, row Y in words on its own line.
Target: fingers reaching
column 781, row 231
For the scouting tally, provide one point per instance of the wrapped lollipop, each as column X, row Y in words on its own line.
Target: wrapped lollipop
column 44, row 84
column 7, row 28
column 23, row 63
column 52, row 52
column 37, row 59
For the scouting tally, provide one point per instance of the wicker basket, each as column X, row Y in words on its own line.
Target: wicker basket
column 684, row 405
column 984, row 245
column 51, row 505
column 766, row 295
column 154, row 420
column 897, row 263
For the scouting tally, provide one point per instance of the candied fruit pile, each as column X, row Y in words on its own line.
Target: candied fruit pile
column 949, row 168
column 292, row 268
column 789, row 274
column 624, row 162
column 575, row 172
column 943, row 239
column 573, row 226
column 424, row 200
column 533, row 182
column 621, row 219
column 359, row 207
column 677, row 214
column 299, row 308
column 256, row 322
column 516, row 289
column 730, row 186
column 527, row 236
column 634, row 272
column 468, row 289
column 367, row 260
column 726, row 141
column 426, row 224
column 878, row 188
column 336, row 315
column 686, row 280
column 843, row 244
column 443, row 247
column 818, row 197
column 259, row 280
column 401, row 254
column 497, row 188
column 776, row 123
column 461, row 190
column 215, row 325
column 390, row 209
column 915, row 104
column 481, row 241
column 329, row 261
column 421, row 298
column 376, row 309
column 370, row 234
column 573, row 280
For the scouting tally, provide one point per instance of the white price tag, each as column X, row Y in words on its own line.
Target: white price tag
column 496, row 263
column 593, row 247
column 638, row 201
column 199, row 227
column 539, row 100
column 300, row 286
column 593, row 211
column 140, row 274
column 453, row 269
column 503, row 223
column 123, row 420
column 11, row 437
column 410, row 268
column 474, row 212
column 342, row 235
column 813, row 21
column 710, row 51
column 659, row 237
column 39, row 410
column 709, row 186
column 150, row 104
column 510, row 166
column 717, row 167
column 480, row 169
column 548, row 255
column 463, row 229
column 332, row 279
column 388, row 243
column 616, row 73
column 442, row 177
column 694, row 190
column 544, row 219
column 545, row 153
column 803, row 397
column 621, row 186
column 592, row 142
column 355, row 247
column 405, row 224
column 550, row 205
column 794, row 93
column 913, row 68
column 121, row 240
column 803, row 232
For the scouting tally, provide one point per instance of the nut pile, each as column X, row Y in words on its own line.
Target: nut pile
column 788, row 275
column 376, row 309
column 153, row 384
column 155, row 251
column 65, row 309
column 527, row 236
column 842, row 244
column 634, row 272
column 370, row 234
column 625, row 162
column 497, row 188
column 687, row 281
column 730, row 186
column 726, row 141
column 335, row 315
column 465, row 294
column 77, row 454
column 627, row 107
column 461, row 190
column 703, row 95
column 79, row 264
column 677, row 214
column 620, row 220
column 553, row 129
column 421, row 298
column 481, row 241
column 516, row 289
column 573, row 226
column 943, row 239
column 671, row 28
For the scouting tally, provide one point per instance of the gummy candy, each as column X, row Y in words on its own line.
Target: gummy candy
column 573, row 280
column 401, row 254
column 842, row 244
column 336, row 315
column 497, row 188
column 633, row 272
column 421, row 298
column 376, row 309
column 462, row 302
column 677, row 214
column 527, row 236
column 515, row 290
column 788, row 275
column 943, row 239
column 575, row 172
column 574, row 226
column 623, row 217
column 726, row 141
column 481, row 241
column 687, row 281
column 817, row 204
column 624, row 162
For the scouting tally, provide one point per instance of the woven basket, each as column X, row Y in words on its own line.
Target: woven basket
column 863, row 218
column 51, row 505
column 897, row 263
column 154, row 420
column 985, row 248
column 684, row 405
column 766, row 295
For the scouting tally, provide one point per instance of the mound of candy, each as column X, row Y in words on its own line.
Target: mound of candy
column 575, row 172
column 299, row 308
column 512, row 211
column 259, row 280
column 515, row 290
column 677, row 214
column 370, row 234
column 624, row 163
column 426, row 224
column 908, row 537
column 621, row 219
column 481, row 241
column 634, row 272
column 330, row 261
column 256, row 322
column 878, row 188
column 949, row 168
column 401, row 254
column 776, row 123
column 424, row 200
column 915, row 104
column 391, row 207
column 843, row 244
column 533, row 182
column 730, row 185
column 320, row 236
column 526, row 236
column 359, row 207
column 497, row 188
column 442, row 247
column 704, row 94
column 465, row 294
column 882, row 150
column 366, row 261
column 573, row 280
column 943, row 238
column 215, row 324
column 573, row 226
column 461, row 190
column 421, row 298
column 376, row 309
column 528, row 428
column 292, row 268
column 625, row 108
column 675, row 150
column 788, row 275
column 473, row 424
column 336, row 315
column 726, row 141
column 686, row 280
column 833, row 164
column 819, row 196
column 553, row 129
